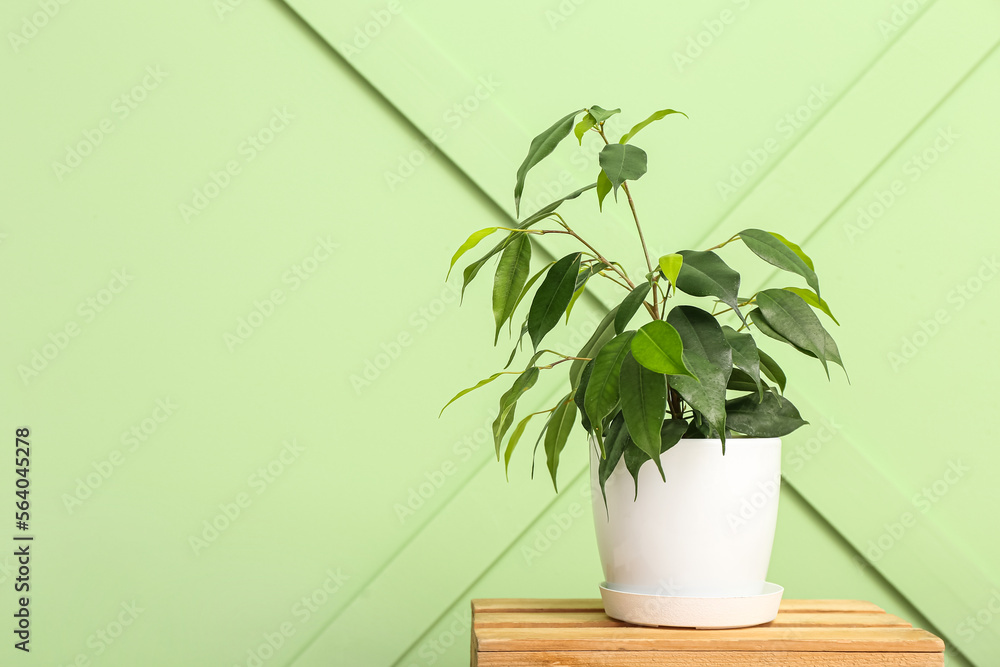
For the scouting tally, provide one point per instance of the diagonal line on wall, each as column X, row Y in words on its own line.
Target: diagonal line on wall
column 819, row 118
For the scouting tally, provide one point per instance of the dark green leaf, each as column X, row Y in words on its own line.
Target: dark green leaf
column 556, row 435
column 771, row 417
column 469, row 244
column 813, row 300
column 629, row 306
column 508, row 404
column 709, row 356
column 775, row 250
column 512, row 272
column 771, row 369
column 622, row 162
column 579, row 395
column 581, row 283
column 524, row 292
column 741, row 381
column 601, row 115
column 552, row 297
column 670, row 434
column 644, row 405
column 656, row 115
column 658, row 347
column 791, row 318
column 541, row 147
column 703, row 273
column 602, row 390
column 745, row 355
column 615, row 444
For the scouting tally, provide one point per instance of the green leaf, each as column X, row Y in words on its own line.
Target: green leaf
column 517, row 345
column 670, row 434
column 602, row 334
column 472, row 388
column 710, row 357
column 602, row 390
column 553, row 297
column 745, row 356
column 622, row 163
column 508, row 403
column 515, row 437
column 601, row 115
column 512, row 272
column 469, row 244
column 796, row 249
column 581, row 283
column 791, row 318
column 581, row 128
column 595, row 115
column 615, row 446
column 556, row 435
column 579, row 394
column 541, row 147
column 644, row 404
column 771, row 369
column 771, row 417
column 778, row 251
column 473, row 269
column 670, row 265
column 656, row 115
column 524, row 292
column 658, row 347
column 741, row 381
column 813, row 300
column 703, row 273
column 630, row 305
column 603, row 188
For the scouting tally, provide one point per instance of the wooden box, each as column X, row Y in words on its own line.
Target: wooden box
column 806, row 633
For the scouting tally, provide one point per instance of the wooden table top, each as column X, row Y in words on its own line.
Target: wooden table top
column 521, row 632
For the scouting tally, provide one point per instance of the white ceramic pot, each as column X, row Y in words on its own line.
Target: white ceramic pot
column 705, row 533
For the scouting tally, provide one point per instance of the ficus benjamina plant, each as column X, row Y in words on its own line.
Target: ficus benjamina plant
column 687, row 372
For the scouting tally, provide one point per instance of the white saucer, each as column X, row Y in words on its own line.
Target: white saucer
column 693, row 612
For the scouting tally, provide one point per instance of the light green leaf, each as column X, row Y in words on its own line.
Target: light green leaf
column 622, row 163
column 630, row 305
column 644, row 405
column 515, row 437
column 517, row 345
column 603, row 188
column 553, row 297
column 472, row 388
column 508, row 404
column 658, row 347
column 469, row 244
column 710, row 357
column 796, row 249
column 656, row 115
column 703, row 273
column 512, row 272
column 776, row 250
column 791, row 318
column 581, row 128
column 595, row 115
column 745, row 356
column 771, row 417
column 557, row 433
column 602, row 389
column 602, row 334
column 541, row 147
column 670, row 265
column 813, row 300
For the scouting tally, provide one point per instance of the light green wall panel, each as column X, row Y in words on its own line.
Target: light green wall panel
column 280, row 207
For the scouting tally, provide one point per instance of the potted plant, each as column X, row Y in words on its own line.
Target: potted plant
column 682, row 402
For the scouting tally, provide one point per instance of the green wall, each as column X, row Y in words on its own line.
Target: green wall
column 225, row 227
